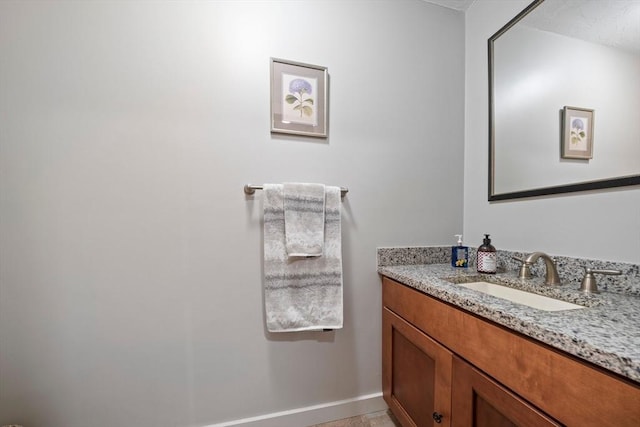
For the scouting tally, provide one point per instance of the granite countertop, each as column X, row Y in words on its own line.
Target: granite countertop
column 605, row 333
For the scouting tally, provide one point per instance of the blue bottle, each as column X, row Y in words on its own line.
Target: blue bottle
column 459, row 254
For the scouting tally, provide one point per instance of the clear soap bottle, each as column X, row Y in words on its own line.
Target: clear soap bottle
column 459, row 254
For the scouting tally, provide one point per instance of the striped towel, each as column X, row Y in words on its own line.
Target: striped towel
column 300, row 293
column 304, row 219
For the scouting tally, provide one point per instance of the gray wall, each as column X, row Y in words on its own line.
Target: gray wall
column 599, row 225
column 130, row 274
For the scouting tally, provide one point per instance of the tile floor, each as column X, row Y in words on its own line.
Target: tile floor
column 376, row 419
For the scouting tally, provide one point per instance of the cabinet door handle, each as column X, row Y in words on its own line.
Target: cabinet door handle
column 437, row 417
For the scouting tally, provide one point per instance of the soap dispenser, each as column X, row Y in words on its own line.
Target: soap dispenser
column 486, row 260
column 459, row 254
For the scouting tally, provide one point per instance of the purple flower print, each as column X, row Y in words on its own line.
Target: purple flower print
column 577, row 124
column 300, row 86
column 300, row 98
column 577, row 131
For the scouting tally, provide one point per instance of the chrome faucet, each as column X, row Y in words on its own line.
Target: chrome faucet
column 551, row 277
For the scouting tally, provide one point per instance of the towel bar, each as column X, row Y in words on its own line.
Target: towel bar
column 250, row 189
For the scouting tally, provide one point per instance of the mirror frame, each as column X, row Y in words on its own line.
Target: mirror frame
column 621, row 181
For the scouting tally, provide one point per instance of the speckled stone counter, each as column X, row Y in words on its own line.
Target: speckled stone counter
column 606, row 332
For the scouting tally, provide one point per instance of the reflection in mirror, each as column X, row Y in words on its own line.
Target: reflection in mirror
column 557, row 54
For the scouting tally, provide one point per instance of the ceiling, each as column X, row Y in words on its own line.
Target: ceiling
column 462, row 5
column 611, row 23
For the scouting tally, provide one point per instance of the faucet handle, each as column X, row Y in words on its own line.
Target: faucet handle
column 589, row 284
column 525, row 268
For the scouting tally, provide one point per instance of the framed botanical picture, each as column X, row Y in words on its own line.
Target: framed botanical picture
column 577, row 133
column 298, row 98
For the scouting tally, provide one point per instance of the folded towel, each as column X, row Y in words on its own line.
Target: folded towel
column 301, row 293
column 304, row 219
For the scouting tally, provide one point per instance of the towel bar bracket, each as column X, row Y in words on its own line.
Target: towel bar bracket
column 251, row 189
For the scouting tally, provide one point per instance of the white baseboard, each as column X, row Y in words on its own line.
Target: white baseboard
column 316, row 414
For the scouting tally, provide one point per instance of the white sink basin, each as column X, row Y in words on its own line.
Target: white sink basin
column 521, row 297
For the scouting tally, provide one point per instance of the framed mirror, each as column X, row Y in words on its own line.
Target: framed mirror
column 549, row 65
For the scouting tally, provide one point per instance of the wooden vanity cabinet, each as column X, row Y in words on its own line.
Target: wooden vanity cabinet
column 425, row 383
column 440, row 360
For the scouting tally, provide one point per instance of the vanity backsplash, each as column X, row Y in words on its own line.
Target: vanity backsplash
column 571, row 270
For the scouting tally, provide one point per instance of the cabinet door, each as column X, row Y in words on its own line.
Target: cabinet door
column 416, row 374
column 479, row 401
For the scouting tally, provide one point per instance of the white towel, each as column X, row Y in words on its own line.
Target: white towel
column 304, row 219
column 301, row 293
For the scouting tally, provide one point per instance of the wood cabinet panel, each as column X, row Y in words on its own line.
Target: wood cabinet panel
column 416, row 374
column 412, row 378
column 481, row 402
